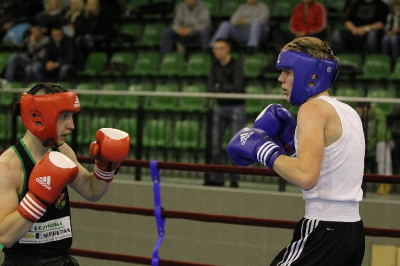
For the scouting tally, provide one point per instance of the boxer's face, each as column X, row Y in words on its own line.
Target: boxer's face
column 287, row 79
column 65, row 124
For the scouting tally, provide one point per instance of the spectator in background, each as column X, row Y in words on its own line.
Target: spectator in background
column 98, row 28
column 36, row 41
column 249, row 24
column 364, row 24
column 52, row 15
column 13, row 32
column 391, row 39
column 379, row 143
column 191, row 24
column 58, row 60
column 226, row 76
column 308, row 19
column 6, row 23
column 74, row 20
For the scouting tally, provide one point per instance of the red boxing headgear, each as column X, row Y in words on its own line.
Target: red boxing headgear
column 39, row 113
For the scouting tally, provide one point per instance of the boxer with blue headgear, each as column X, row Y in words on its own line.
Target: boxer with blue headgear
column 311, row 75
column 327, row 163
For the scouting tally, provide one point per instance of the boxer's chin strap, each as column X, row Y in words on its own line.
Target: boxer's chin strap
column 160, row 221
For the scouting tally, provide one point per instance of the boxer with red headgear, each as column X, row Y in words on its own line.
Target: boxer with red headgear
column 39, row 113
column 36, row 173
column 329, row 142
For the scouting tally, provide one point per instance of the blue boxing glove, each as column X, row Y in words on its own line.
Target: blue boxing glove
column 251, row 145
column 280, row 125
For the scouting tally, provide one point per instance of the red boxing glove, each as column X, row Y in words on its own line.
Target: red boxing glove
column 109, row 150
column 47, row 180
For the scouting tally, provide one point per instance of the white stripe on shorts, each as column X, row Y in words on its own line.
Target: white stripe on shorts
column 297, row 247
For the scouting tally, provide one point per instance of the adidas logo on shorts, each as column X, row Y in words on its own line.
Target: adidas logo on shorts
column 77, row 103
column 244, row 137
column 44, row 181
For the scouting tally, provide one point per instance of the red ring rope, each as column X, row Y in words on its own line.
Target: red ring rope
column 215, row 218
column 211, row 168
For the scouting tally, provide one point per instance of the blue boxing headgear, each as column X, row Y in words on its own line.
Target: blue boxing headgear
column 307, row 69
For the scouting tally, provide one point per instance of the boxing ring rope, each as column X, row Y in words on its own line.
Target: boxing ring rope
column 203, row 217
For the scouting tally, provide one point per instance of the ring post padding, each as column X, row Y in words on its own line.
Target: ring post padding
column 160, row 221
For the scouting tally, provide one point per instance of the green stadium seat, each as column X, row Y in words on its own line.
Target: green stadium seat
column 198, row 65
column 157, row 133
column 191, row 104
column 7, row 99
column 395, row 75
column 83, row 126
column 172, row 64
column 111, row 101
column 282, row 10
column 94, row 64
column 230, row 6
column 387, row 108
column 131, row 102
column 348, row 92
column 5, row 125
column 146, row 64
column 214, row 6
column 162, row 103
column 336, row 7
column 349, row 65
column 136, row 3
column 64, row 84
column 120, row 63
column 128, row 34
column 255, row 106
column 253, row 64
column 98, row 122
column 4, row 58
column 375, row 67
column 128, row 124
column 151, row 36
column 186, row 134
column 87, row 100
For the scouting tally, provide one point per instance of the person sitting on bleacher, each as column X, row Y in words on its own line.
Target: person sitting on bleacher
column 391, row 39
column 308, row 19
column 53, row 14
column 249, row 24
column 363, row 26
column 191, row 24
column 74, row 19
column 36, row 42
column 98, row 28
column 58, row 60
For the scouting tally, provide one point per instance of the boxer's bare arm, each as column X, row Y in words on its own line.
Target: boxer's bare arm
column 12, row 225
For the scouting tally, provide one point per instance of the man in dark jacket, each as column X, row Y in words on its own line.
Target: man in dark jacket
column 226, row 76
column 58, row 60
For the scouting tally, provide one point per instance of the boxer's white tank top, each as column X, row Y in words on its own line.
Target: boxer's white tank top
column 337, row 195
